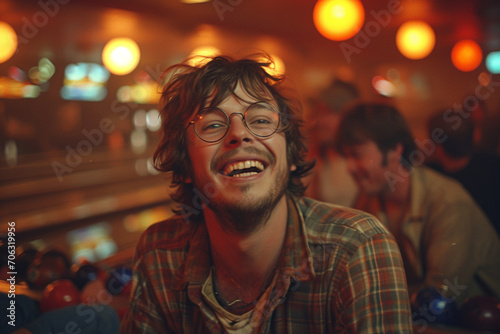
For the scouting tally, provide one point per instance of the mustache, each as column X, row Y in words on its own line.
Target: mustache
column 245, row 150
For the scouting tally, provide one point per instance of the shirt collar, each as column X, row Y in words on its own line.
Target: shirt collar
column 295, row 260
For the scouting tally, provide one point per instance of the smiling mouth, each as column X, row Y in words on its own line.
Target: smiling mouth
column 243, row 168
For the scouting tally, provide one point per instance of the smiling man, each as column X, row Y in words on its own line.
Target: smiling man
column 445, row 238
column 245, row 253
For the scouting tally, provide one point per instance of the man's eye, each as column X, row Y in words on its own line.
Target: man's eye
column 263, row 117
column 261, row 121
column 213, row 126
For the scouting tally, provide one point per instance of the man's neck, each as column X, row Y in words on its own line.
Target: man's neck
column 251, row 257
column 399, row 193
column 395, row 203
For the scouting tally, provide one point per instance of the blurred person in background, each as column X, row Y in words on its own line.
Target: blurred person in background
column 446, row 240
column 456, row 155
column 330, row 182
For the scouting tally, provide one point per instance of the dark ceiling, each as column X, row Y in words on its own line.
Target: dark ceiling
column 80, row 28
column 291, row 20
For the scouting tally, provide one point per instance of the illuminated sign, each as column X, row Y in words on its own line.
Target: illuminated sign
column 85, row 82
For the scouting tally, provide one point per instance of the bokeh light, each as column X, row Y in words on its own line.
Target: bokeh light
column 466, row 55
column 153, row 120
column 415, row 39
column 277, row 67
column 338, row 20
column 140, row 119
column 139, row 140
column 484, row 79
column 11, row 153
column 85, row 82
column 121, row 55
column 383, row 86
column 8, row 41
column 493, row 62
column 202, row 55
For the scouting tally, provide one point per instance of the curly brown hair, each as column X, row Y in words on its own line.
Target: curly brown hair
column 191, row 87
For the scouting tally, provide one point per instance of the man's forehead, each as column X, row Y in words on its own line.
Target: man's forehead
column 242, row 97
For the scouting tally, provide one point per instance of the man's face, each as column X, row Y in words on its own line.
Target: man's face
column 242, row 174
column 369, row 167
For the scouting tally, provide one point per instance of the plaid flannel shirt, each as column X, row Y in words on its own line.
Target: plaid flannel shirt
column 340, row 271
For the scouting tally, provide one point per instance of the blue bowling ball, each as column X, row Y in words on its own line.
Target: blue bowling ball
column 431, row 306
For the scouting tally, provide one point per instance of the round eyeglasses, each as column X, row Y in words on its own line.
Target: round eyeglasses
column 211, row 124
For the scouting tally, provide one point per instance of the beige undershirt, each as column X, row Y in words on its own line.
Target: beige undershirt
column 232, row 323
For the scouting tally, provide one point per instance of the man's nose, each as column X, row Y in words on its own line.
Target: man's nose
column 237, row 131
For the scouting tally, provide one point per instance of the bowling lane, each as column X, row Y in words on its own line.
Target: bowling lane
column 111, row 195
column 56, row 208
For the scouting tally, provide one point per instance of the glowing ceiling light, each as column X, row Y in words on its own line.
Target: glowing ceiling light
column 8, row 42
column 493, row 62
column 338, row 20
column 415, row 39
column 466, row 55
column 121, row 55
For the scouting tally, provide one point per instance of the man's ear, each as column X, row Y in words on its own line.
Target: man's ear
column 293, row 168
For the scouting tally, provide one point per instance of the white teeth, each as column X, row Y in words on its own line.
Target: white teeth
column 244, row 174
column 242, row 165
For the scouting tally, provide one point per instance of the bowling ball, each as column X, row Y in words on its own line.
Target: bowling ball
column 47, row 267
column 430, row 305
column 481, row 313
column 59, row 294
column 120, row 281
column 87, row 272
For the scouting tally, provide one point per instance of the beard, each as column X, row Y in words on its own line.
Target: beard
column 246, row 216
